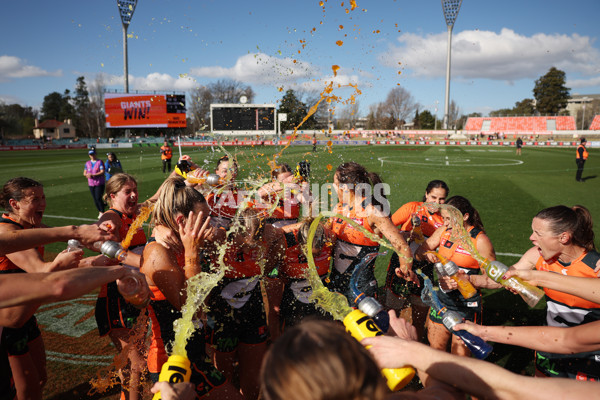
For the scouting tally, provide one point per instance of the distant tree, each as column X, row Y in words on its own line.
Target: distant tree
column 84, row 120
column 399, row 105
column 201, row 99
column 453, row 115
column 503, row 112
column 224, row 91
column 426, row 120
column 228, row 91
column 16, row 120
column 296, row 110
column 524, row 107
column 324, row 114
column 416, row 121
column 97, row 107
column 52, row 105
column 550, row 92
column 347, row 115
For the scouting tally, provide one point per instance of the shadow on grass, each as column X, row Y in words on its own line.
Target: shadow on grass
column 80, row 392
column 504, row 308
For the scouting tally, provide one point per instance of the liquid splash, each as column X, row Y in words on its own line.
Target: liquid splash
column 136, row 225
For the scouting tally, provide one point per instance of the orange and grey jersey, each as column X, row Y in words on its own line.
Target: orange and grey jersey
column 429, row 222
column 351, row 244
column 288, row 206
column 7, row 266
column 243, row 265
column 453, row 250
column 137, row 242
column 295, row 264
column 564, row 309
column 139, row 237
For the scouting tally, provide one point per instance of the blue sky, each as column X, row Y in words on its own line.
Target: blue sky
column 499, row 47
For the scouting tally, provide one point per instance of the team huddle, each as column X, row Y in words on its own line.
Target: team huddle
column 257, row 247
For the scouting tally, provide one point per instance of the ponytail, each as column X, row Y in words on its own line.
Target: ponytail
column 575, row 220
column 465, row 207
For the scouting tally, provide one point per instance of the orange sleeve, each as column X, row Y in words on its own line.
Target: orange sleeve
column 403, row 214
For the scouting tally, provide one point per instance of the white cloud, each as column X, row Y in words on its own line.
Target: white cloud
column 13, row 67
column 506, row 56
column 158, row 81
column 261, row 69
column 583, row 83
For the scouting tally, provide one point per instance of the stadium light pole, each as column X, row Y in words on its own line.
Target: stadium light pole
column 126, row 9
column 451, row 8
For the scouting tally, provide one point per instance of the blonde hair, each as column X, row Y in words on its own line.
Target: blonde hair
column 115, row 184
column 174, row 197
column 319, row 360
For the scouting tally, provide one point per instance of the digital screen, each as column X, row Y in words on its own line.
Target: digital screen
column 246, row 118
column 144, row 110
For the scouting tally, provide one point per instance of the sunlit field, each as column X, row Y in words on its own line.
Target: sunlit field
column 507, row 190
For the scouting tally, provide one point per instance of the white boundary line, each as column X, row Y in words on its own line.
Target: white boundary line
column 447, row 162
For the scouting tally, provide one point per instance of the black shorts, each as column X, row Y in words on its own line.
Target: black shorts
column 469, row 309
column 114, row 312
column 16, row 340
column 227, row 326
column 401, row 287
column 560, row 366
column 293, row 310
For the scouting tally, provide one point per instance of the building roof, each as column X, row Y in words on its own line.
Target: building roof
column 50, row 123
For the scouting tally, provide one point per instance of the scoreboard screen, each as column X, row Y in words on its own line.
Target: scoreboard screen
column 243, row 118
column 126, row 110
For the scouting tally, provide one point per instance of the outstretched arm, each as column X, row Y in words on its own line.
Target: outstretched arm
column 586, row 288
column 20, row 289
column 476, row 377
column 14, row 241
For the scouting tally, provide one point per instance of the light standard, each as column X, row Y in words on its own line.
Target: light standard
column 451, row 8
column 126, row 9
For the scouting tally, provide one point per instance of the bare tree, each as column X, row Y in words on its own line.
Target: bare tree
column 348, row 115
column 224, row 91
column 97, row 117
column 399, row 105
column 201, row 98
column 227, row 91
column 453, row 114
column 324, row 113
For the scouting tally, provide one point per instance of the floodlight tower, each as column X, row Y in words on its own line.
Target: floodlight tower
column 126, row 9
column 451, row 8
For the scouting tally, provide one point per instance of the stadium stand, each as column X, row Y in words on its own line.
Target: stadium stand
column 528, row 124
column 595, row 126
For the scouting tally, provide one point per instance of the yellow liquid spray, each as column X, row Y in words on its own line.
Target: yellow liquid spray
column 358, row 324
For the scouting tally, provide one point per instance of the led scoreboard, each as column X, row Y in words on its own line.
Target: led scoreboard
column 240, row 119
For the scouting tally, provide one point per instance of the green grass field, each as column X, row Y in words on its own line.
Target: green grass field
column 507, row 191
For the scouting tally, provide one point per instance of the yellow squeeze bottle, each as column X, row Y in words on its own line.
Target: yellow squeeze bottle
column 360, row 326
column 176, row 369
column 496, row 270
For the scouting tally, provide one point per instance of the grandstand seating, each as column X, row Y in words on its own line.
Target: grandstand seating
column 595, row 126
column 528, row 124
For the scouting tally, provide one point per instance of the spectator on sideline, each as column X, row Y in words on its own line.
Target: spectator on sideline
column 112, row 166
column 94, row 172
column 580, row 156
column 165, row 155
